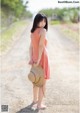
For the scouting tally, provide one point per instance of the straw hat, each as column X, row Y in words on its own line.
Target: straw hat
column 36, row 75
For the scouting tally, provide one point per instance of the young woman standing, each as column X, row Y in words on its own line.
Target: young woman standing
column 39, row 55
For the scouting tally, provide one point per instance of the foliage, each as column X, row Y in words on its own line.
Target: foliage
column 64, row 14
column 16, row 6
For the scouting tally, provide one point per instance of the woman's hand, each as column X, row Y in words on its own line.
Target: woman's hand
column 37, row 63
column 30, row 62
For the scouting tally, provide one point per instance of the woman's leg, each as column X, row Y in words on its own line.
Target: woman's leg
column 41, row 94
column 35, row 96
column 35, row 93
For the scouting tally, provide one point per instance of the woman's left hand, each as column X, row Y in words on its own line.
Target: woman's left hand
column 36, row 64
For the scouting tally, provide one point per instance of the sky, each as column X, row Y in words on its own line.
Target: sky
column 35, row 5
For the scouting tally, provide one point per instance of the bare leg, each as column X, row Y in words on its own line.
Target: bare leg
column 35, row 96
column 41, row 94
column 35, row 93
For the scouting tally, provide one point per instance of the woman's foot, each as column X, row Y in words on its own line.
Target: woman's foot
column 42, row 107
column 32, row 104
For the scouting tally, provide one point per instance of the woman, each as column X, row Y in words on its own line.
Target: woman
column 39, row 56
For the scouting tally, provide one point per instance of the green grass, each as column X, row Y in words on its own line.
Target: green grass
column 71, row 34
column 55, row 22
column 7, row 35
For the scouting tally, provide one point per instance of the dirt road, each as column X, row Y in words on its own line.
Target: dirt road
column 62, row 93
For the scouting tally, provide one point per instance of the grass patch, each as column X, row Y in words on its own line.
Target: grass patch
column 55, row 22
column 71, row 34
column 8, row 35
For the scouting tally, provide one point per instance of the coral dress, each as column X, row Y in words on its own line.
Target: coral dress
column 44, row 62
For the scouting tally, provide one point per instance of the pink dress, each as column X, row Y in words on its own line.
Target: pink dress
column 44, row 62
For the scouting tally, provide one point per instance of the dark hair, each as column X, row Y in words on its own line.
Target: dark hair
column 38, row 18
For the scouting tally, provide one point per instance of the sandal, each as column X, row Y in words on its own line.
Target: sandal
column 42, row 107
column 33, row 103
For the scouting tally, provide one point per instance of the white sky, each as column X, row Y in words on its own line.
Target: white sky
column 35, row 5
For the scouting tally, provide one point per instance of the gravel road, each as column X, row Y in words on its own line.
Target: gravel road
column 62, row 89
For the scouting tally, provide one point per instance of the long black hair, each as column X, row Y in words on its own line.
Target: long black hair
column 38, row 18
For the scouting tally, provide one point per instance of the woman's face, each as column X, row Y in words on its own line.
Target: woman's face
column 42, row 23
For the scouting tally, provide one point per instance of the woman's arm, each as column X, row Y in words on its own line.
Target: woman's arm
column 30, row 51
column 41, row 44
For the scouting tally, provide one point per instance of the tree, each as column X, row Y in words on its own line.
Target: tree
column 16, row 6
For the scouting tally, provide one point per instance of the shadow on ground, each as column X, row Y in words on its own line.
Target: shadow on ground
column 28, row 110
